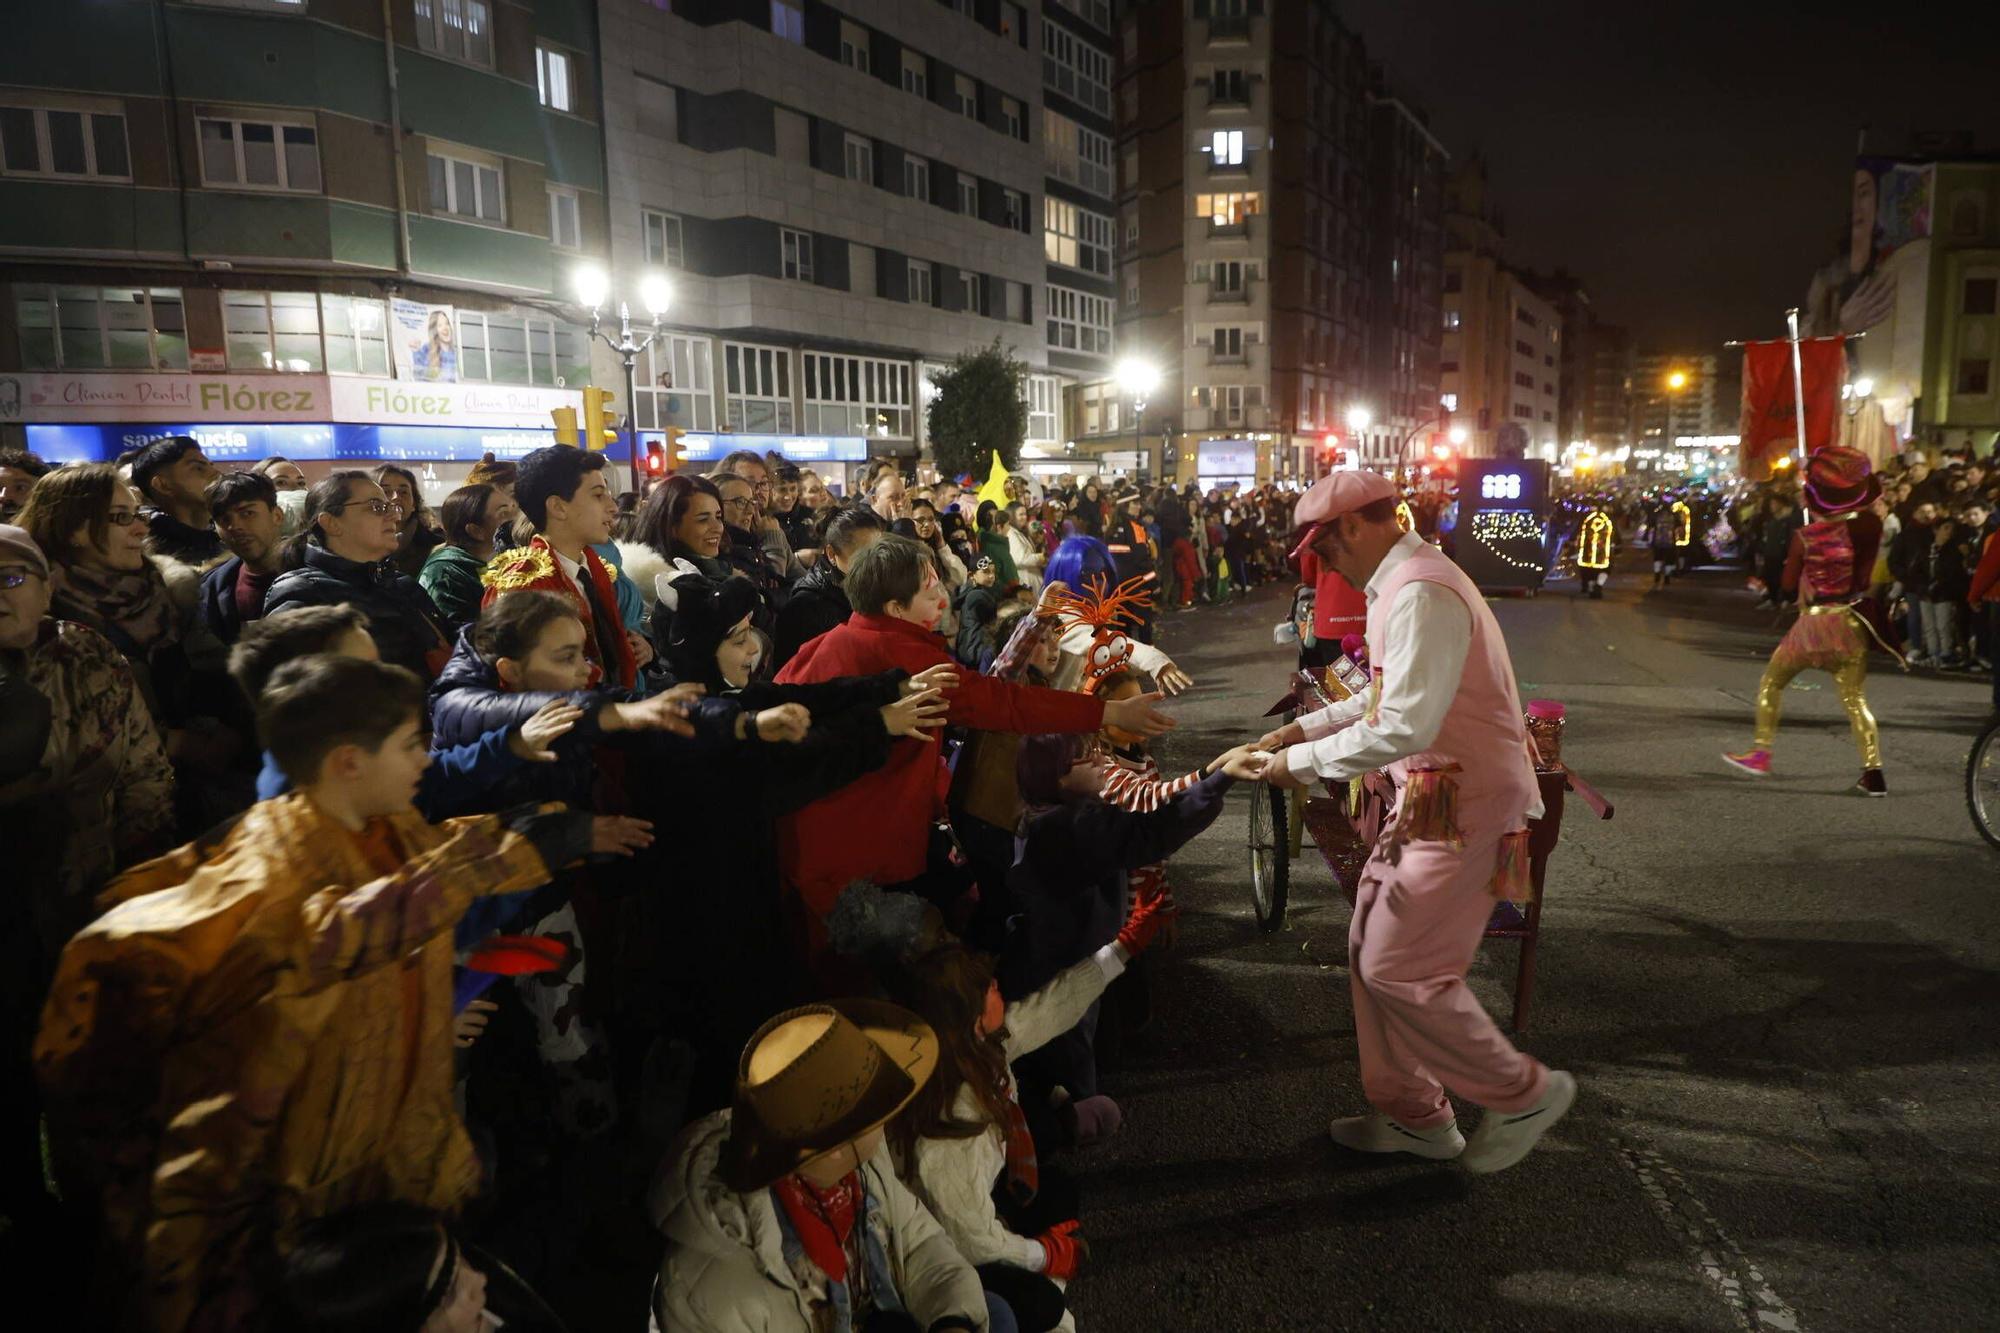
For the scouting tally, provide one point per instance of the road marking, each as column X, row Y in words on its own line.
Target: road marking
column 1717, row 1257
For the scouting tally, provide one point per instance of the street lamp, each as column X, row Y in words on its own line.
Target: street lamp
column 1138, row 379
column 593, row 289
column 1677, row 380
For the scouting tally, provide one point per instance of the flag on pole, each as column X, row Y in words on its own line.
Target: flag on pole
column 995, row 486
column 1770, row 403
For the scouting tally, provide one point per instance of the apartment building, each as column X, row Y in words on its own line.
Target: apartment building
column 844, row 196
column 289, row 228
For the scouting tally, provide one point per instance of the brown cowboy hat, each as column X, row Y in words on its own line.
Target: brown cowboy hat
column 818, row 1077
column 1839, row 479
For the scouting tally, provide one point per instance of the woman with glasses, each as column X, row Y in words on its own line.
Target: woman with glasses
column 341, row 558
column 928, row 528
column 420, row 532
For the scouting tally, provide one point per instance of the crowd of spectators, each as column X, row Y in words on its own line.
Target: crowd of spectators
column 554, row 908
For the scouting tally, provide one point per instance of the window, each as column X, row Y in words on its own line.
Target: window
column 916, row 76
column 1094, row 12
column 1014, row 22
column 1227, row 210
column 1548, row 415
column 1014, row 209
column 553, row 82
column 1077, row 155
column 1076, row 237
column 1132, row 229
column 1527, row 316
column 1548, row 388
column 788, row 20
column 968, row 196
column 520, row 349
column 1231, row 86
column 565, row 230
column 1227, row 343
column 1225, row 148
column 466, row 185
column 1449, row 402
column 677, row 384
column 796, row 253
column 921, row 292
column 917, row 178
column 1974, row 375
column 1548, row 360
column 757, row 388
column 259, row 154
column 857, row 395
column 1012, row 116
column 1079, row 321
column 1076, row 69
column 1524, row 380
column 965, row 96
column 1524, row 411
column 272, row 331
column 972, row 290
column 1525, row 348
column 1451, row 319
column 1044, row 400
column 1979, row 296
column 101, row 328
column 461, row 29
column 357, row 335
column 854, row 46
column 860, row 159
column 663, row 239
column 1131, row 289
column 53, row 141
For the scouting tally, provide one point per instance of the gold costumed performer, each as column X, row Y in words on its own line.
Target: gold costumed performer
column 1829, row 565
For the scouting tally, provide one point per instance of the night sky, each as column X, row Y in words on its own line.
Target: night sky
column 1690, row 163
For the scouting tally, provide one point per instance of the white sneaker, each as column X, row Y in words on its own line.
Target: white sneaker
column 1376, row 1132
column 1505, row 1137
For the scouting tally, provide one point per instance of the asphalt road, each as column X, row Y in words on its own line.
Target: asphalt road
column 1780, row 1000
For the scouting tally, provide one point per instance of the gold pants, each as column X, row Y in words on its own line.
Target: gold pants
column 1848, row 677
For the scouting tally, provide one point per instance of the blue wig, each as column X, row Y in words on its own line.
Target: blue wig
column 1077, row 559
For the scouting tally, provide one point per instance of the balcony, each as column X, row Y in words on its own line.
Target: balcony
column 1219, row 358
column 1219, row 295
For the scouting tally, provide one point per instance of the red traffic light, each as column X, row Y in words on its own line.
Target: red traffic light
column 656, row 459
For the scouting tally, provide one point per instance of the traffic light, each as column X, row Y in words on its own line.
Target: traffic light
column 656, row 460
column 565, row 423
column 600, row 423
column 676, row 451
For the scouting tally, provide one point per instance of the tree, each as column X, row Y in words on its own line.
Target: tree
column 979, row 407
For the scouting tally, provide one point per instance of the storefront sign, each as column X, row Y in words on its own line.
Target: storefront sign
column 404, row 403
column 228, row 443
column 107, row 396
column 795, row 448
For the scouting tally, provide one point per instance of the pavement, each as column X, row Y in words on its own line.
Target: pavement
column 1780, row 1000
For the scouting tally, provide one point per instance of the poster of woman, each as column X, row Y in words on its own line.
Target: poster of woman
column 426, row 342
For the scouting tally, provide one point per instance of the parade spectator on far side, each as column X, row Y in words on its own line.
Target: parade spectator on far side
column 341, row 558
column 889, row 496
column 244, row 507
column 172, row 476
column 474, row 517
column 419, row 531
column 813, row 494
column 19, row 471
column 285, row 475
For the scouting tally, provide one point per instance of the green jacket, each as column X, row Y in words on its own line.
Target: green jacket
column 451, row 577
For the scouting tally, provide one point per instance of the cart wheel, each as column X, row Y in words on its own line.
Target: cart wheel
column 1270, row 868
column 1982, row 787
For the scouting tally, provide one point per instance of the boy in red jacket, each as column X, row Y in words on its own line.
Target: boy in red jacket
column 878, row 827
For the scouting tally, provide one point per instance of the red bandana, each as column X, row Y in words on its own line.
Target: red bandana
column 823, row 1219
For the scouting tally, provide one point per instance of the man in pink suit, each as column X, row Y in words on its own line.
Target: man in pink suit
column 1444, row 719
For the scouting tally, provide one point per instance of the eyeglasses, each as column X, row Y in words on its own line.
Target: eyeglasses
column 123, row 518
column 372, row 506
column 740, row 502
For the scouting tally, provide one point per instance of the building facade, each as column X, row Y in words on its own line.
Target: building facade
column 1263, row 173
column 1673, row 395
column 844, row 196
column 1607, row 418
column 1533, row 331
column 1474, row 367
column 284, row 228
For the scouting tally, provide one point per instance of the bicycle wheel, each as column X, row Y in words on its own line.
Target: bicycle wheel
column 1982, row 784
column 1270, row 867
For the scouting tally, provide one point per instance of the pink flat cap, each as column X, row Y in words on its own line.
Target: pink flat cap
column 1340, row 493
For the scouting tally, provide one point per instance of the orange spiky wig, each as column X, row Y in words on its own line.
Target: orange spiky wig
column 1103, row 607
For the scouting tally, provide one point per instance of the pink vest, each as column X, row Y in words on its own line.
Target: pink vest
column 1483, row 733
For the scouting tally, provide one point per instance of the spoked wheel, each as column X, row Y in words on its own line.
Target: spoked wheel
column 1270, row 863
column 1982, row 785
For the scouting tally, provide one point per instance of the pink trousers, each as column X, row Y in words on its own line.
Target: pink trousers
column 1418, row 916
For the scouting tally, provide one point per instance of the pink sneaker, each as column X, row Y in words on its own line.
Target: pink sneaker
column 1757, row 763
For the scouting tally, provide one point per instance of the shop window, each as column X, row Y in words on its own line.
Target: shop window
column 357, row 335
column 101, row 328
column 276, row 331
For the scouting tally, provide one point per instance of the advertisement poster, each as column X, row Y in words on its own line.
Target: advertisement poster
column 426, row 341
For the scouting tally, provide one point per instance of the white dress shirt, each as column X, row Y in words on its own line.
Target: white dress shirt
column 1426, row 635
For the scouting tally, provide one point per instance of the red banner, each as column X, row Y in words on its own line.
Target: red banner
column 1770, row 425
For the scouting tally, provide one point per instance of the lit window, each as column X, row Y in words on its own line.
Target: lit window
column 552, row 79
column 461, row 29
column 788, row 20
column 465, row 186
column 1226, row 148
